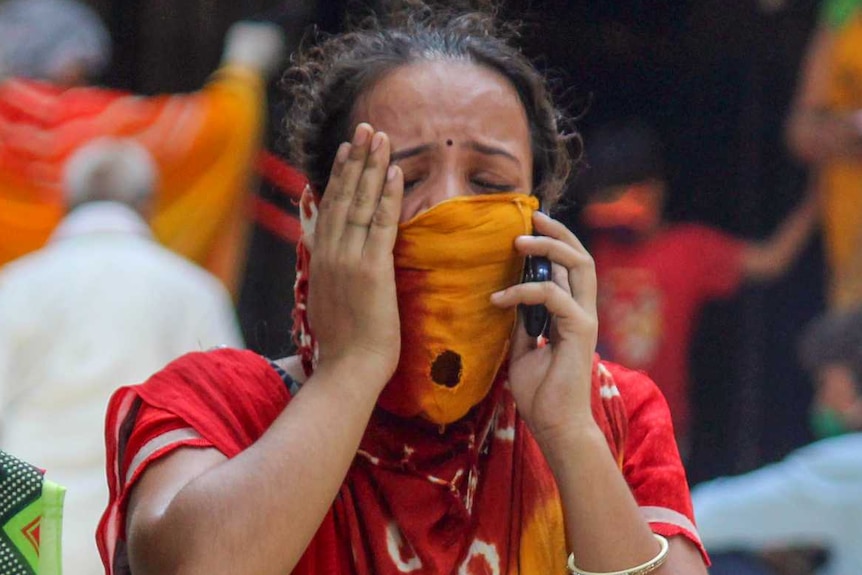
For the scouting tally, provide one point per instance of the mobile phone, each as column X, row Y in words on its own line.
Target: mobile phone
column 536, row 317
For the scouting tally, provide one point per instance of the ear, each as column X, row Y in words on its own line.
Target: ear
column 308, row 217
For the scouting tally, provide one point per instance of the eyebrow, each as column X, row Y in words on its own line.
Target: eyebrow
column 410, row 152
column 492, row 151
column 481, row 148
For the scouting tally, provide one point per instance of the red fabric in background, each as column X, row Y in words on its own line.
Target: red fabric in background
column 651, row 292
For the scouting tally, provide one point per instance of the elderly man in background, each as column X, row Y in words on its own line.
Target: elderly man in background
column 101, row 305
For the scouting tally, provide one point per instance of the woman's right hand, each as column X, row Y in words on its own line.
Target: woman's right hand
column 352, row 306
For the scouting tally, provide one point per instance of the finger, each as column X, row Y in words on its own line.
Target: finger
column 384, row 224
column 571, row 317
column 560, row 245
column 367, row 196
column 577, row 264
column 548, row 226
column 338, row 196
column 560, row 276
column 553, row 249
column 521, row 342
column 323, row 211
column 548, row 294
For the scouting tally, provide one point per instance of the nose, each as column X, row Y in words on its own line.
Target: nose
column 443, row 186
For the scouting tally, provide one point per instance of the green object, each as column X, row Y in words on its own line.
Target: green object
column 837, row 13
column 827, row 422
column 31, row 518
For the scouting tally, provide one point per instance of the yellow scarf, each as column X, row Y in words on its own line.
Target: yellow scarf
column 448, row 262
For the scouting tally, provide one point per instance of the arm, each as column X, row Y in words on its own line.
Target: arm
column 797, row 500
column 198, row 512
column 769, row 259
column 815, row 133
column 551, row 384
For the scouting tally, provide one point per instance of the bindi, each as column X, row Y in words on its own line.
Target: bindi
column 448, row 142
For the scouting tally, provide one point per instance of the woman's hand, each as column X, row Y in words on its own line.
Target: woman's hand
column 352, row 306
column 551, row 384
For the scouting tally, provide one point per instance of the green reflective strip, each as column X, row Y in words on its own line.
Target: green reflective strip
column 837, row 13
column 50, row 549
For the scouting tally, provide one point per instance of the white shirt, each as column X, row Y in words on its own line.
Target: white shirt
column 814, row 496
column 102, row 305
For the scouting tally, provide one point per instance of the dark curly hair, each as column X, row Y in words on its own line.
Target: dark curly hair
column 326, row 80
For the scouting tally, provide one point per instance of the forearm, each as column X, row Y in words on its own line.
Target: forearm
column 604, row 528
column 816, row 135
column 763, row 261
column 760, row 509
column 257, row 512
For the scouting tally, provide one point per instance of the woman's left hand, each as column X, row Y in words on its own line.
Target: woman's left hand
column 551, row 383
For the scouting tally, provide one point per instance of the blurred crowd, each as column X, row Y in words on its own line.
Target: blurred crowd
column 135, row 228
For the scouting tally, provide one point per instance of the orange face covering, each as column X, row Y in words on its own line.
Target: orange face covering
column 448, row 262
column 638, row 209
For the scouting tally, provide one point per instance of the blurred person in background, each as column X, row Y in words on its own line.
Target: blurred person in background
column 824, row 130
column 654, row 277
column 204, row 143
column 831, row 351
column 102, row 304
column 813, row 498
column 58, row 41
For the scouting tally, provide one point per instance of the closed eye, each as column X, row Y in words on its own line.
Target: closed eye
column 410, row 184
column 491, row 186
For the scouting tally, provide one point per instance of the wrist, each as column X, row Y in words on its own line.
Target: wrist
column 371, row 370
column 566, row 443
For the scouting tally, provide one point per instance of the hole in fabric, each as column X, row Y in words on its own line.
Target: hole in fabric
column 446, row 369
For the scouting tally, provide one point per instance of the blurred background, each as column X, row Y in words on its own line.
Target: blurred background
column 714, row 78
column 685, row 102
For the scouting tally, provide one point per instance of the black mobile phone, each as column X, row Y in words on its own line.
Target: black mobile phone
column 536, row 317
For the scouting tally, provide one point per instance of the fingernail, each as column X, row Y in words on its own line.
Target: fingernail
column 360, row 136
column 342, row 153
column 497, row 294
column 376, row 141
column 391, row 173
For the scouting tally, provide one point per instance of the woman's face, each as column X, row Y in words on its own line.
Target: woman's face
column 456, row 129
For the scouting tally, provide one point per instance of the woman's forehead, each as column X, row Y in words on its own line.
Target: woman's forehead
column 445, row 99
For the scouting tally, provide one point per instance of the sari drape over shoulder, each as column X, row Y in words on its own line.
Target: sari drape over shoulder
column 475, row 497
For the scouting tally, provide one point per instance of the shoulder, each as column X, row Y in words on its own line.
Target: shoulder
column 28, row 265
column 694, row 231
column 26, row 279
column 226, row 379
column 699, row 240
column 227, row 396
column 177, row 272
column 635, row 387
column 217, row 364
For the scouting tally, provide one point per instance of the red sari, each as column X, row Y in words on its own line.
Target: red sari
column 475, row 498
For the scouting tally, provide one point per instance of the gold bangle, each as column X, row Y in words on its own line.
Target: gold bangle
column 641, row 569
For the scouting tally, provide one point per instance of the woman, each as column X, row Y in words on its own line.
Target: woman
column 392, row 443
